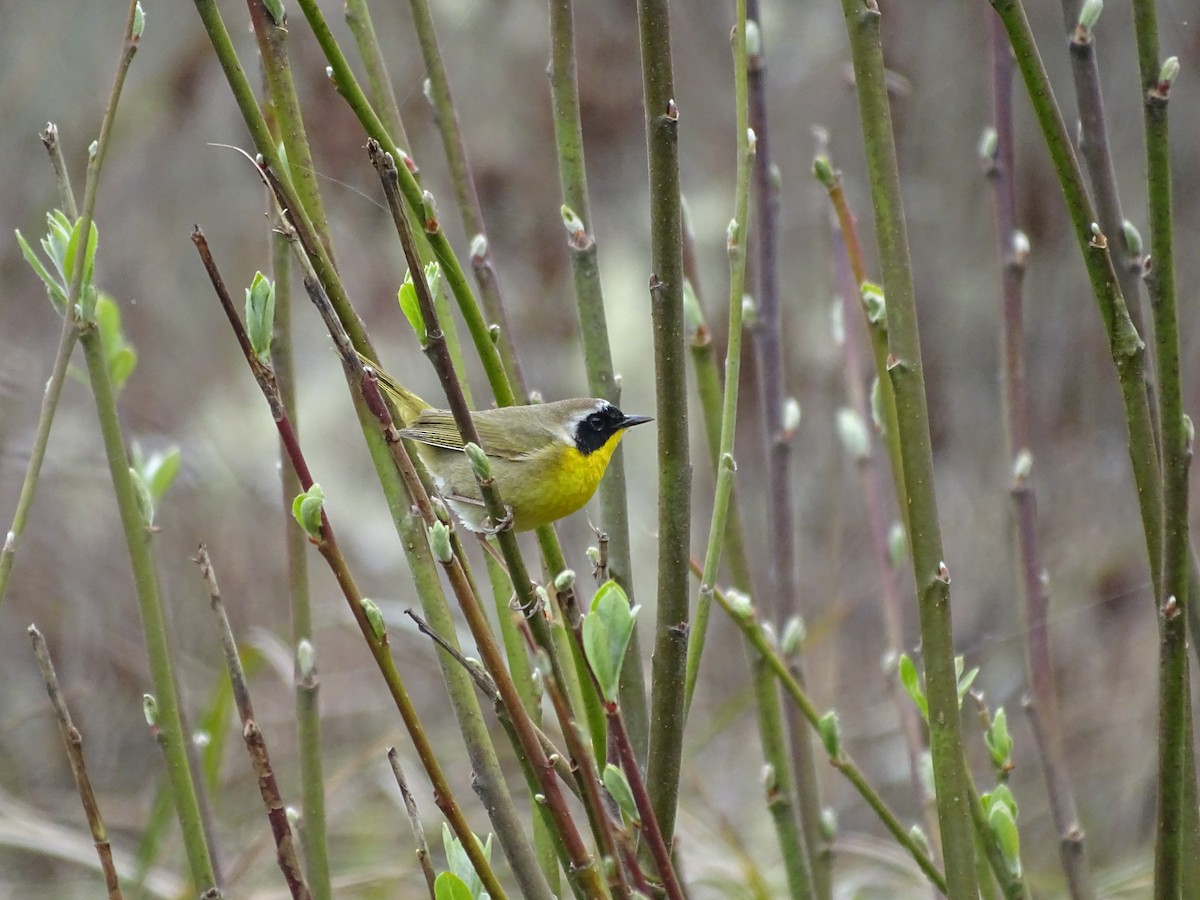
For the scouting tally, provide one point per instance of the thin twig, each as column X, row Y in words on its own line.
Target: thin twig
column 73, row 742
column 745, row 618
column 256, row 745
column 1011, row 251
column 414, row 819
column 905, row 369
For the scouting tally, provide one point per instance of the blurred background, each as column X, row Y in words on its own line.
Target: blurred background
column 166, row 172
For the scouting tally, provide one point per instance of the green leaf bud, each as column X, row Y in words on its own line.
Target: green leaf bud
column 139, row 22
column 260, row 316
column 829, row 824
column 306, row 509
column 823, row 171
column 150, row 710
column 564, row 580
column 439, row 543
column 374, row 619
column 831, row 735
column 480, row 464
column 852, row 432
column 873, row 299
column 1133, row 238
column 1089, row 14
column 306, row 659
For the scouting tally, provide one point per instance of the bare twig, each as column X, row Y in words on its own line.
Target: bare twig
column 256, row 745
column 73, row 742
column 1043, row 703
column 414, row 819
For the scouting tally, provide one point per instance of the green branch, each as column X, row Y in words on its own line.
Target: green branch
column 908, row 381
column 669, row 672
column 593, row 330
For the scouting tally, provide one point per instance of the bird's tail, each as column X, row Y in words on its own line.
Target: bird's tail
column 407, row 403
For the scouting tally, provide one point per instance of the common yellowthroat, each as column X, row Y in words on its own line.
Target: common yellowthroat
column 547, row 458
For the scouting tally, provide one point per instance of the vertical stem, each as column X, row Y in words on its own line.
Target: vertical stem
column 675, row 472
column 466, row 197
column 1033, row 579
column 1174, row 714
column 593, row 329
column 272, row 47
column 905, row 369
column 307, row 683
column 138, row 538
column 777, row 439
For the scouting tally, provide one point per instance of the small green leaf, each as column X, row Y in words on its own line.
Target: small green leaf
column 618, row 786
column 139, row 22
column 120, row 356
column 999, row 741
column 306, row 509
column 121, row 366
column 607, row 630
column 1004, row 826
column 912, row 685
column 89, row 259
column 449, row 886
column 260, row 315
column 460, row 863
column 433, row 278
column 160, row 471
column 58, row 297
column 412, row 309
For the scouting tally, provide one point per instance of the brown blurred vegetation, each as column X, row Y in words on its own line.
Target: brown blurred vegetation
column 164, row 174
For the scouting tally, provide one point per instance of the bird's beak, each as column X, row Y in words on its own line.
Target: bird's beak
column 630, row 421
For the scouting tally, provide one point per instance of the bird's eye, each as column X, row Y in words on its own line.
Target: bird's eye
column 596, row 421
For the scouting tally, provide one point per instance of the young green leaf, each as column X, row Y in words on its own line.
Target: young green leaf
column 999, row 741
column 618, row 786
column 912, row 685
column 160, row 471
column 412, row 309
column 306, row 509
column 260, row 315
column 460, row 863
column 1004, row 826
column 58, row 297
column 449, row 886
column 607, row 630
column 120, row 356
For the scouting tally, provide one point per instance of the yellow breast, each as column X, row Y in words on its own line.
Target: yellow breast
column 565, row 483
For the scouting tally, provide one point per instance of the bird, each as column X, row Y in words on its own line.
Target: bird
column 547, row 459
